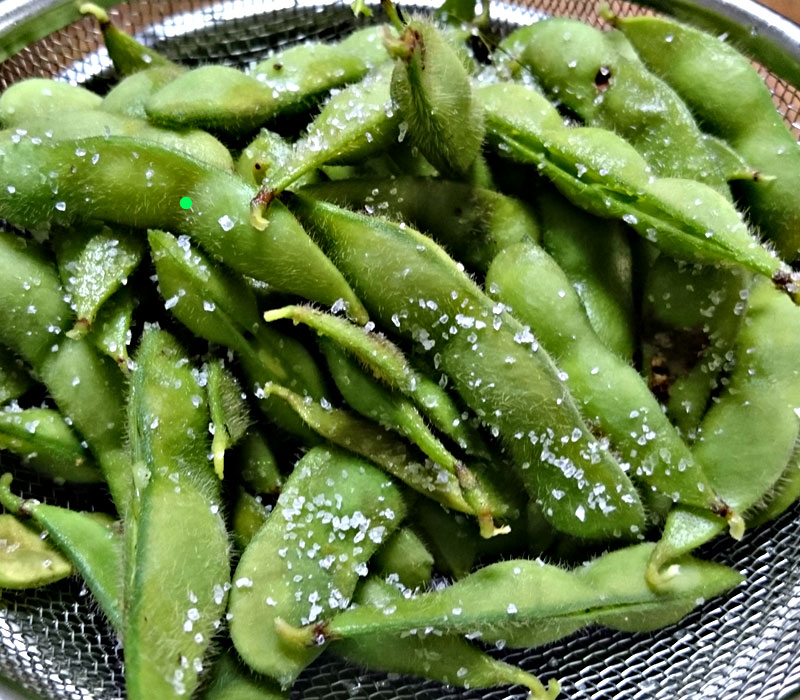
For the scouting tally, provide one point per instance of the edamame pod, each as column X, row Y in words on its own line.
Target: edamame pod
column 35, row 98
column 610, row 391
column 42, row 438
column 527, row 603
column 692, row 62
column 306, row 560
column 393, row 412
column 248, row 516
column 89, row 123
column 432, row 89
column 105, row 183
column 175, row 590
column 257, row 465
column 127, row 54
column 691, row 316
column 230, row 680
column 130, row 95
column 93, row 264
column 357, row 122
column 94, row 549
column 26, row 558
column 599, row 171
column 494, row 362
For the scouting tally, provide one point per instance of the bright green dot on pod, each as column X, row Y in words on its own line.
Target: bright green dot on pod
column 186, row 202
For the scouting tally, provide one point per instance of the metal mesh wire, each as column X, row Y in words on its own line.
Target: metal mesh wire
column 55, row 643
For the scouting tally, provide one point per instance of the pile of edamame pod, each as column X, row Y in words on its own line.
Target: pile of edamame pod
column 395, row 349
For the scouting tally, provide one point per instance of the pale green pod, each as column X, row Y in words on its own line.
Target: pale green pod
column 94, row 262
column 35, row 98
column 432, row 89
column 175, row 590
column 26, row 559
column 346, row 509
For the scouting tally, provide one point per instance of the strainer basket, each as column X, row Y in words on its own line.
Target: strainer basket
column 54, row 642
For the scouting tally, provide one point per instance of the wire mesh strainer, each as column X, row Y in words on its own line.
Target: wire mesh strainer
column 54, row 643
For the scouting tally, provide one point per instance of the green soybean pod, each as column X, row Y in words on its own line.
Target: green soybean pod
column 87, row 390
column 386, row 449
column 26, row 559
column 216, row 305
column 471, row 222
column 106, row 184
column 228, row 410
column 586, row 70
column 126, row 53
column 175, row 591
column 526, row 603
column 345, row 508
column 494, row 362
column 94, row 549
column 387, row 363
column 302, row 75
column 231, row 680
column 129, row 96
column 35, row 98
column 94, row 262
column 611, row 392
column 595, row 255
column 357, row 122
column 447, row 659
column 95, row 123
column 45, row 442
column 433, row 92
column 692, row 61
column 14, row 379
column 599, row 171
column 404, row 559
column 759, row 400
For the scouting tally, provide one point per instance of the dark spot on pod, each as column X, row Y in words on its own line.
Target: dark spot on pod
column 257, row 166
column 277, row 66
column 603, row 78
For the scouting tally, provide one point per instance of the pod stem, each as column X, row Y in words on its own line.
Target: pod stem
column 308, row 636
column 89, row 8
column 393, row 15
column 8, row 500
